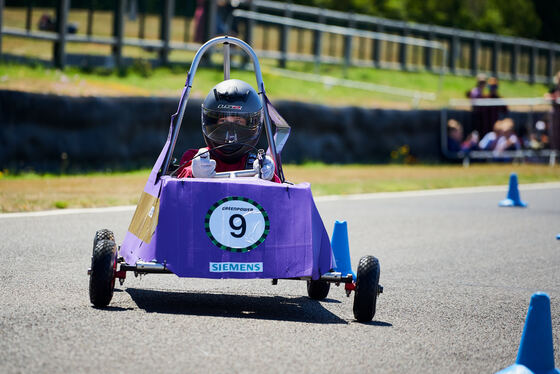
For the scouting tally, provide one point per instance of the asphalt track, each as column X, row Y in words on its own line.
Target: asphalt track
column 458, row 274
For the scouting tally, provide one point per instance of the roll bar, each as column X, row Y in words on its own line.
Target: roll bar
column 227, row 41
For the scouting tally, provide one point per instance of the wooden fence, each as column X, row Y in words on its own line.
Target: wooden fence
column 469, row 52
column 289, row 32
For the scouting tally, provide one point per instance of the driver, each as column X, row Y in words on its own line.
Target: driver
column 232, row 120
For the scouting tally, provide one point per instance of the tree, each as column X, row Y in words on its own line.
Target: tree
column 549, row 13
column 524, row 18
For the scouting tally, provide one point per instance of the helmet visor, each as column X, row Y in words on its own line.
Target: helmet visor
column 231, row 127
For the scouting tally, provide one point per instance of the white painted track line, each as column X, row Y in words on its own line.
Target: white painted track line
column 437, row 192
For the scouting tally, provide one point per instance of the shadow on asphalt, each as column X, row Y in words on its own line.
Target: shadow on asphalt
column 330, row 301
column 295, row 309
column 112, row 308
column 378, row 323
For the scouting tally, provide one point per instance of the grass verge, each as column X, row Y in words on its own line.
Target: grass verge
column 34, row 192
column 140, row 80
column 145, row 81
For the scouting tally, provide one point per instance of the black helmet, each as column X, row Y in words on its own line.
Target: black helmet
column 232, row 114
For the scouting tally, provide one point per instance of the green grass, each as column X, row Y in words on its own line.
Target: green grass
column 32, row 175
column 61, row 204
column 169, row 82
column 29, row 192
column 352, row 179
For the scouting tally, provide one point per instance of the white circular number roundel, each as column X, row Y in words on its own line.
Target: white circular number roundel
column 236, row 224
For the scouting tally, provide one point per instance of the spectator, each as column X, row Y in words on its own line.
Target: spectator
column 501, row 139
column 226, row 24
column 455, row 142
column 554, row 128
column 488, row 141
column 541, row 128
column 48, row 23
column 502, row 110
column 508, row 141
column 493, row 88
column 471, row 142
column 537, row 138
column 222, row 14
column 199, row 22
column 454, row 135
column 478, row 112
column 554, row 92
column 478, row 91
column 493, row 113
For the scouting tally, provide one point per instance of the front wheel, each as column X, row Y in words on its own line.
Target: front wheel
column 317, row 289
column 367, row 288
column 103, row 234
column 102, row 276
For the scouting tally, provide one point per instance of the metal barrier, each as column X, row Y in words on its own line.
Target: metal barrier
column 530, row 114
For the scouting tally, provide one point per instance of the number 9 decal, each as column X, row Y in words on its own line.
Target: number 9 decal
column 236, row 224
column 242, row 226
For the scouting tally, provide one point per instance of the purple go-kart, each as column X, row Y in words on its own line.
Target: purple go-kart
column 232, row 225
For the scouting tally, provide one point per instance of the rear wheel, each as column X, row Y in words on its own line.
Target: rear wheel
column 102, row 276
column 317, row 289
column 367, row 288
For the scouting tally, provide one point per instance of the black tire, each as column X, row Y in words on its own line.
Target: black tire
column 367, row 288
column 317, row 289
column 102, row 277
column 103, row 234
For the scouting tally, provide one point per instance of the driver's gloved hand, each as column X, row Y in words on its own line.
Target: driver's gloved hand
column 267, row 170
column 202, row 165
